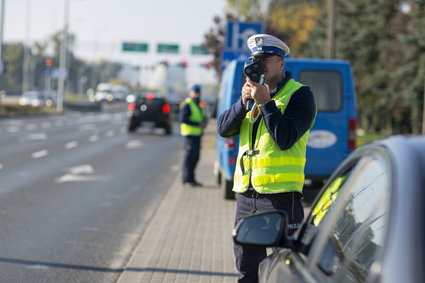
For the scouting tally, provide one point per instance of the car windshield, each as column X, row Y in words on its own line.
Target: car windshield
column 348, row 223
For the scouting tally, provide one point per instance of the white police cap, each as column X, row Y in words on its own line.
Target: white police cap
column 265, row 44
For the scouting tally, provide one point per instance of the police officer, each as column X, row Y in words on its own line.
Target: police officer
column 192, row 122
column 269, row 172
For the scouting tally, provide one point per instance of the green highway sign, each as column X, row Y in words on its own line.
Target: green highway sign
column 199, row 50
column 135, row 47
column 167, row 48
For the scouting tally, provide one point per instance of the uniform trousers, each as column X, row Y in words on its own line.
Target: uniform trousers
column 192, row 148
column 249, row 257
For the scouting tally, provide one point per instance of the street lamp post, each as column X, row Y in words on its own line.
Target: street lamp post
column 62, row 60
column 1, row 34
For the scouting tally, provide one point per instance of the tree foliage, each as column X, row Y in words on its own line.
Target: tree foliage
column 382, row 40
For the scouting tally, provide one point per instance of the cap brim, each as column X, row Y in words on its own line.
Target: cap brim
column 264, row 54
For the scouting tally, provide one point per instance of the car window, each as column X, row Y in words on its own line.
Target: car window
column 326, row 87
column 356, row 232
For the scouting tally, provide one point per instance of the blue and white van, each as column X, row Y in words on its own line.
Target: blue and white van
column 332, row 137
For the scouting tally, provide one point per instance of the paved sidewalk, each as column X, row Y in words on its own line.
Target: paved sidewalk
column 189, row 238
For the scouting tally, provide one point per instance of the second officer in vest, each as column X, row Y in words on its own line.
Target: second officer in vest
column 269, row 172
column 192, row 123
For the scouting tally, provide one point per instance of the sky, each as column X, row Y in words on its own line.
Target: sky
column 101, row 26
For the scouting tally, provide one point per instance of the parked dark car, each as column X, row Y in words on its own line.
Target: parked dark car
column 149, row 108
column 366, row 224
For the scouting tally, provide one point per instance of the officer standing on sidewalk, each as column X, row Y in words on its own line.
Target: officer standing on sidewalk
column 192, row 123
column 269, row 171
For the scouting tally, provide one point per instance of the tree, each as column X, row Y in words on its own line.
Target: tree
column 13, row 58
column 376, row 45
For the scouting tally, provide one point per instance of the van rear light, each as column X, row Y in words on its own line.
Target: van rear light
column 352, row 125
column 166, row 108
column 131, row 106
column 231, row 161
column 229, row 142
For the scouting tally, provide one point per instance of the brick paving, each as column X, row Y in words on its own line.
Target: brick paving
column 189, row 238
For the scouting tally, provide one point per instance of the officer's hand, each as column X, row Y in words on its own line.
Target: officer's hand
column 246, row 93
column 259, row 92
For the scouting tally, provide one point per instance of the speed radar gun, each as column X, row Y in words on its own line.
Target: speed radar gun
column 254, row 70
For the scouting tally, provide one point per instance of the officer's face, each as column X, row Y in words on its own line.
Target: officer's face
column 273, row 66
column 194, row 94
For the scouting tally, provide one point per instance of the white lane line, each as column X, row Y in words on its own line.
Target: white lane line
column 1, row 166
column 110, row 133
column 133, row 144
column 12, row 129
column 31, row 126
column 71, row 144
column 39, row 154
column 34, row 137
column 93, row 138
column 46, row 125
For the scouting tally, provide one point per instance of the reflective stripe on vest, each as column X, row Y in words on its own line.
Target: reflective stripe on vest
column 197, row 114
column 270, row 170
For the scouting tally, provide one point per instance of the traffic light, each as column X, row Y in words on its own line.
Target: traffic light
column 207, row 64
column 183, row 64
column 48, row 63
column 165, row 63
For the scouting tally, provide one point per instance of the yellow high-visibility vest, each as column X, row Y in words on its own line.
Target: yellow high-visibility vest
column 197, row 114
column 268, row 168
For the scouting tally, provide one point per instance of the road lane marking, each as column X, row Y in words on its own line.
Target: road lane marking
column 79, row 173
column 110, row 133
column 134, row 144
column 78, row 178
column 31, row 126
column 93, row 138
column 81, row 169
column 46, row 125
column 1, row 166
column 39, row 154
column 12, row 129
column 71, row 144
column 34, row 137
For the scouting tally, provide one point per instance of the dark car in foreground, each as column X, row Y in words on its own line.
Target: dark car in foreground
column 366, row 225
column 149, row 108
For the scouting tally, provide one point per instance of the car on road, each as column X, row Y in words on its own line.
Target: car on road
column 144, row 108
column 37, row 98
column 366, row 225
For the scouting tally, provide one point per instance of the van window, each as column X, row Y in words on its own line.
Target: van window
column 326, row 87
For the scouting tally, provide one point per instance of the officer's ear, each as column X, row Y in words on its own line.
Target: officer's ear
column 282, row 62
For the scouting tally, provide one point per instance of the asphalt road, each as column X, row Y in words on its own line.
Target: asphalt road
column 76, row 192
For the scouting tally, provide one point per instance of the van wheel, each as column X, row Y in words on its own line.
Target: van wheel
column 227, row 186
